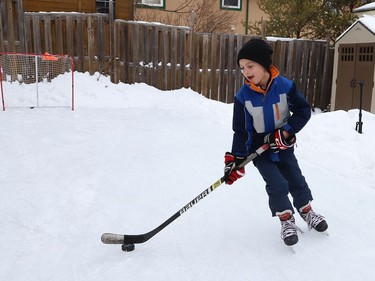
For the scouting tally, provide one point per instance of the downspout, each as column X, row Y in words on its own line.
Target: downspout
column 247, row 16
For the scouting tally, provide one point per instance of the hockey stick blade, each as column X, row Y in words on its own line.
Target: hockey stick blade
column 113, row 238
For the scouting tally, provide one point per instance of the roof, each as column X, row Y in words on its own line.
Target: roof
column 366, row 7
column 366, row 20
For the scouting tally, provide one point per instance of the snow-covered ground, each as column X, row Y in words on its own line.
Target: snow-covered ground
column 130, row 156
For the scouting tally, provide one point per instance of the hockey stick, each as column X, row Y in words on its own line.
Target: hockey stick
column 130, row 240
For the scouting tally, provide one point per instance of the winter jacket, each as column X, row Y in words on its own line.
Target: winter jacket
column 259, row 112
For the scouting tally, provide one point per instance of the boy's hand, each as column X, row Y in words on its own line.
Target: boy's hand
column 230, row 171
column 280, row 140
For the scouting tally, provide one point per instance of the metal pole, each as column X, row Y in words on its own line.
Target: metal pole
column 36, row 80
column 359, row 124
column 2, row 90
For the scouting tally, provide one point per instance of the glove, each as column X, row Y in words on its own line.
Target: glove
column 232, row 173
column 278, row 141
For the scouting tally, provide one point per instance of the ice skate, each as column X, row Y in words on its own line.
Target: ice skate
column 313, row 219
column 288, row 228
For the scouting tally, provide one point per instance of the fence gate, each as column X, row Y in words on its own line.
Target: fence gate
column 356, row 63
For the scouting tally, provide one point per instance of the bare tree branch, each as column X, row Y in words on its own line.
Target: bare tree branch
column 207, row 18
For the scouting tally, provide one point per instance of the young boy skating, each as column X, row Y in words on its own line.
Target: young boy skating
column 270, row 109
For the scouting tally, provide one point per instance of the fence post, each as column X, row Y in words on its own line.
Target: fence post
column 193, row 17
column 90, row 43
column 111, row 34
column 114, row 72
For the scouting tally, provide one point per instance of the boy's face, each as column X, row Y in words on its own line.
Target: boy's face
column 253, row 72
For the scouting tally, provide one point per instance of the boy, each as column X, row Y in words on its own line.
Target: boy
column 262, row 114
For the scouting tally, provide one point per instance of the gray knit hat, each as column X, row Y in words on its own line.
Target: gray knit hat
column 257, row 50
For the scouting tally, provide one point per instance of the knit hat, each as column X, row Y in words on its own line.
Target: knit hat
column 256, row 50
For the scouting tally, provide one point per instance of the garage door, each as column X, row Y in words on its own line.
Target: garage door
column 356, row 63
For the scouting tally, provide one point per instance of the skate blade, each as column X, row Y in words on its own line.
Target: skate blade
column 292, row 249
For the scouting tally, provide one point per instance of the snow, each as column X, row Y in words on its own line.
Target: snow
column 130, row 156
column 275, row 38
column 367, row 20
column 366, row 7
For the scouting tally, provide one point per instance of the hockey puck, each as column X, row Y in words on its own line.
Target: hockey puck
column 128, row 247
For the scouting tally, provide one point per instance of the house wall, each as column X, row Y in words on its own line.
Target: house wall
column 358, row 33
column 163, row 16
column 124, row 8
column 82, row 6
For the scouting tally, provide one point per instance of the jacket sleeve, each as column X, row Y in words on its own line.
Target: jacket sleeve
column 300, row 108
column 241, row 137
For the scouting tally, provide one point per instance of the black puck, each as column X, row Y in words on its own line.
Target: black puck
column 128, row 247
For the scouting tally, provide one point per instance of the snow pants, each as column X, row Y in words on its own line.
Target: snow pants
column 283, row 177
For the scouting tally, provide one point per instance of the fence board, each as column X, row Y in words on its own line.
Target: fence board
column 11, row 30
column 136, row 59
column 47, row 34
column 213, row 85
column 204, row 67
column 99, row 36
column 78, row 38
column 154, row 34
column 222, row 80
column 173, row 58
column 91, row 44
column 312, row 75
column 319, row 70
column 124, row 54
column 2, row 43
column 325, row 92
column 306, row 48
column 195, row 62
column 20, row 24
column 59, row 42
column 36, row 35
column 184, row 57
column 164, row 61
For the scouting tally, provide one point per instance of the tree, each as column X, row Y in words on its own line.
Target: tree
column 287, row 18
column 335, row 17
column 308, row 19
column 199, row 13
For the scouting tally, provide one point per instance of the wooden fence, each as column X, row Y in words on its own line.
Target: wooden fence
column 11, row 26
column 85, row 37
column 167, row 57
column 170, row 57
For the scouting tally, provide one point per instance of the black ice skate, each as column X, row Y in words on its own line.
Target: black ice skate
column 288, row 228
column 313, row 219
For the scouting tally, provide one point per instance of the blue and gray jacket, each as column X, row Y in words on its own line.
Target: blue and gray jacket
column 258, row 112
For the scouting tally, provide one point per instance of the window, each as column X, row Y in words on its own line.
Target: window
column 231, row 4
column 152, row 3
column 366, row 53
column 347, row 54
column 102, row 6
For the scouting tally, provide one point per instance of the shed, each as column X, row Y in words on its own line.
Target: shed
column 354, row 61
